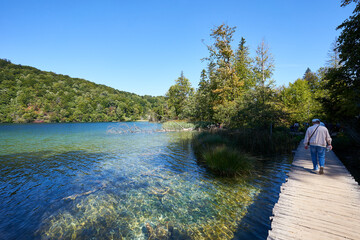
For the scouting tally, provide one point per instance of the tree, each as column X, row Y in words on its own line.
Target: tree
column 178, row 96
column 342, row 101
column 203, row 98
column 263, row 70
column 261, row 105
column 225, row 84
column 343, row 83
column 347, row 2
column 299, row 101
column 311, row 79
column 349, row 42
column 308, row 71
column 264, row 64
column 334, row 56
column 243, row 65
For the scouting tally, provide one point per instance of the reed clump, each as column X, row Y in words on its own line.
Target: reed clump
column 220, row 155
column 261, row 142
column 178, row 126
column 226, row 161
column 230, row 152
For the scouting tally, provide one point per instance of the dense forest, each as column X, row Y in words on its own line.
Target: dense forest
column 237, row 90
column 31, row 95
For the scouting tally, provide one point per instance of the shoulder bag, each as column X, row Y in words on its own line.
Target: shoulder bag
column 312, row 135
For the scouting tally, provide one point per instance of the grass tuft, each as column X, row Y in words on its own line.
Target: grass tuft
column 220, row 156
column 226, row 161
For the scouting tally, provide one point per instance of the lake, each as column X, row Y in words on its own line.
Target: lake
column 125, row 181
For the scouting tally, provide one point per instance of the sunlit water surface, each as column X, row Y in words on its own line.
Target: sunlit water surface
column 87, row 181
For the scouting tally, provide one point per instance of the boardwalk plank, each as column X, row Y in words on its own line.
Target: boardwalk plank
column 318, row 223
column 301, row 232
column 339, row 213
column 313, row 206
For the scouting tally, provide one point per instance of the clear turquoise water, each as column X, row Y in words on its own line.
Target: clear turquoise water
column 100, row 181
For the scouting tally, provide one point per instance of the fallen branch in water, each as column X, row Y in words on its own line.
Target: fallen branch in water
column 74, row 196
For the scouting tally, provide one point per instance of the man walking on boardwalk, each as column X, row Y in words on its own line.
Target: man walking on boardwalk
column 318, row 138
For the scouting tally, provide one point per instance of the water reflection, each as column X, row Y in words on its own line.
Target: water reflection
column 31, row 182
column 271, row 174
column 92, row 184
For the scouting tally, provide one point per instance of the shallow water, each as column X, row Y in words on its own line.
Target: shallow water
column 89, row 181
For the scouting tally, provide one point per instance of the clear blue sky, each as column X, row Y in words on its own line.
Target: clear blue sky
column 142, row 46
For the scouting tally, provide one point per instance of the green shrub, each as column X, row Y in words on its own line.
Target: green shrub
column 225, row 161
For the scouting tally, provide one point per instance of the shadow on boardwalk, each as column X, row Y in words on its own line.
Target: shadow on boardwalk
column 313, row 206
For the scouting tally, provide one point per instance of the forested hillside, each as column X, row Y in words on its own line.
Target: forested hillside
column 28, row 94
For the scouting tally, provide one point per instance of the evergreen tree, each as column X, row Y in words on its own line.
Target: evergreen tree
column 225, row 84
column 178, row 97
column 349, row 43
column 343, row 83
column 203, row 99
column 307, row 72
column 311, row 79
column 243, row 65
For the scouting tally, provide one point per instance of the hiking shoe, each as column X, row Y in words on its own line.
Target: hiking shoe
column 321, row 170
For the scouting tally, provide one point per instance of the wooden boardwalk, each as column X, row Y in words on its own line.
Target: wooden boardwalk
column 313, row 206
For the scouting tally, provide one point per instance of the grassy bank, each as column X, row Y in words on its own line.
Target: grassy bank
column 231, row 153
